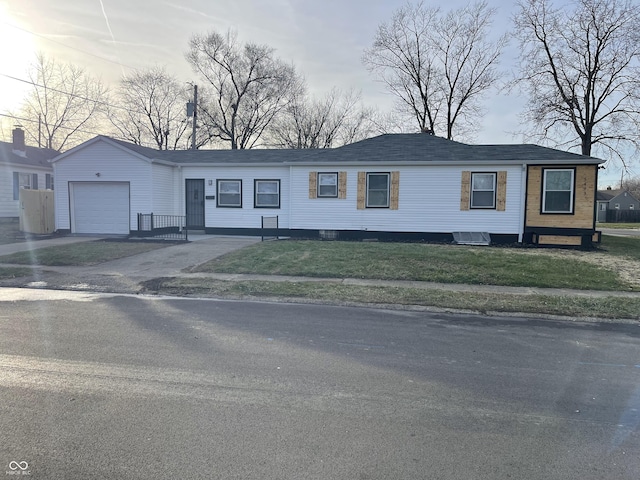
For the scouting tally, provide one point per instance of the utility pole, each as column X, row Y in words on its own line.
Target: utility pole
column 195, row 116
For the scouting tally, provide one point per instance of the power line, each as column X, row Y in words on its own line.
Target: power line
column 74, row 95
column 31, row 120
column 116, row 136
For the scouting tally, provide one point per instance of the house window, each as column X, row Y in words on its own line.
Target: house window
column 267, row 193
column 603, row 207
column 377, row 190
column 229, row 193
column 617, row 206
column 483, row 190
column 632, row 206
column 25, row 181
column 557, row 191
column 328, row 185
column 48, row 180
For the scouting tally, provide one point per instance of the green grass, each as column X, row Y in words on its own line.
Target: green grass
column 81, row 254
column 607, row 307
column 619, row 225
column 13, row 272
column 410, row 261
column 10, row 232
column 628, row 247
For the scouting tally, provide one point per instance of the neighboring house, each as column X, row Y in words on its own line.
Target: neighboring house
column 22, row 167
column 402, row 186
column 619, row 199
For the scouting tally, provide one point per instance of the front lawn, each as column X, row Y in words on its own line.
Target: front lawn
column 628, row 247
column 81, row 254
column 614, row 308
column 422, row 262
column 14, row 272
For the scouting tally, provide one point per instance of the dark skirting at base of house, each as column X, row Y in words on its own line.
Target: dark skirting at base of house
column 353, row 235
column 566, row 237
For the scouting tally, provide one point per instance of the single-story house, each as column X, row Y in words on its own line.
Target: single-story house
column 394, row 186
column 615, row 199
column 22, row 167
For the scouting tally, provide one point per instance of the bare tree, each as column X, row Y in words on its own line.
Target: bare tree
column 335, row 120
column 65, row 101
column 248, row 86
column 438, row 65
column 632, row 185
column 150, row 108
column 579, row 67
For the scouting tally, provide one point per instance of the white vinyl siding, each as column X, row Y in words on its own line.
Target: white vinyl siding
column 429, row 202
column 247, row 216
column 9, row 188
column 114, row 164
column 163, row 188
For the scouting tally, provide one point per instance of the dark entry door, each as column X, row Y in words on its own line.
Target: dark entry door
column 195, row 203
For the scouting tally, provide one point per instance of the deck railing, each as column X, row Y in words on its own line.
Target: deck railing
column 168, row 227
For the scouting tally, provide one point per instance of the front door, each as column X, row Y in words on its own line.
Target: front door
column 195, row 203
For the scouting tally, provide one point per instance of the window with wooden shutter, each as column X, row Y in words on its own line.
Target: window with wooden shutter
column 362, row 190
column 313, row 184
column 465, row 190
column 395, row 190
column 501, row 194
column 327, row 185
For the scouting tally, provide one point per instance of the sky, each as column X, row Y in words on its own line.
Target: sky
column 324, row 39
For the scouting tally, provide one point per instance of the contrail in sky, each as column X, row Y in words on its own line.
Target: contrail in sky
column 113, row 39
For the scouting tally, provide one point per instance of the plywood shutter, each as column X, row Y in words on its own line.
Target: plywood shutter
column 465, row 190
column 395, row 190
column 342, row 184
column 16, row 186
column 313, row 184
column 501, row 192
column 362, row 190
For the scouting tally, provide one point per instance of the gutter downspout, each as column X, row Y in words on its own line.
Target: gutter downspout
column 523, row 201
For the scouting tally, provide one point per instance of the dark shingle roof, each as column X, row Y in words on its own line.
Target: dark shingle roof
column 608, row 194
column 35, row 157
column 388, row 148
column 421, row 147
column 218, row 156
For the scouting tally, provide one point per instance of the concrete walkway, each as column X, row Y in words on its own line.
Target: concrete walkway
column 621, row 232
column 125, row 275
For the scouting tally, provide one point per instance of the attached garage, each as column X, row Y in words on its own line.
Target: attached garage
column 99, row 207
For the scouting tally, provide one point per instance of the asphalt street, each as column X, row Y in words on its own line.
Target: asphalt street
column 102, row 386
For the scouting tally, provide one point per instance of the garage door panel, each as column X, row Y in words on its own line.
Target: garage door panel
column 100, row 207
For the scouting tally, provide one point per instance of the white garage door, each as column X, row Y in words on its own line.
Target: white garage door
column 100, row 207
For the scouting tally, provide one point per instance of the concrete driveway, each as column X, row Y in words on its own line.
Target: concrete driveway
column 125, row 274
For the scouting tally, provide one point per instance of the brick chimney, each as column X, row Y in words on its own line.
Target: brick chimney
column 19, row 147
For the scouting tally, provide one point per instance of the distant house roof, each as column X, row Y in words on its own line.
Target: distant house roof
column 609, row 194
column 33, row 156
column 388, row 148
